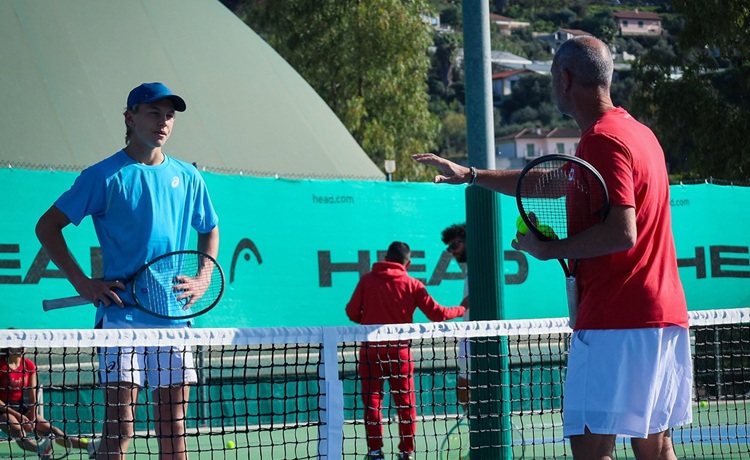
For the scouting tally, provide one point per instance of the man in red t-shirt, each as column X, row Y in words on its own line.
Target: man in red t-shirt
column 629, row 367
column 388, row 295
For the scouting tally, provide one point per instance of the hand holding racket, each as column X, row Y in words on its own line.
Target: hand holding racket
column 177, row 285
column 559, row 196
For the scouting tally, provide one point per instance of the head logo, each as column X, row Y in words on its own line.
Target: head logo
column 175, row 182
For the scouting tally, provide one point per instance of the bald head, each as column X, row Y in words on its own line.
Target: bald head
column 588, row 60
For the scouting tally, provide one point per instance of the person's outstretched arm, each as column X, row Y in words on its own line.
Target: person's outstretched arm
column 501, row 181
column 433, row 310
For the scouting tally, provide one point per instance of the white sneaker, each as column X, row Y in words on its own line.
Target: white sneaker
column 44, row 449
column 93, row 445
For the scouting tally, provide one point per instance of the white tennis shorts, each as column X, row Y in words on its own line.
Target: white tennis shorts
column 631, row 382
column 145, row 366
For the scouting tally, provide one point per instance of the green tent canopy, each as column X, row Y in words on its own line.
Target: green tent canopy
column 67, row 68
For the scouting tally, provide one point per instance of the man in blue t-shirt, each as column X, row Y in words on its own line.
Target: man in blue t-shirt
column 143, row 203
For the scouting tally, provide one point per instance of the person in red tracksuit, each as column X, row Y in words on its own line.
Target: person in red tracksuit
column 388, row 295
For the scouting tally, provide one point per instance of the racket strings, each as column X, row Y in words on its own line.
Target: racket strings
column 158, row 288
column 542, row 197
column 561, row 198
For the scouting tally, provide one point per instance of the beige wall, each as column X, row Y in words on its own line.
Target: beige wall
column 639, row 27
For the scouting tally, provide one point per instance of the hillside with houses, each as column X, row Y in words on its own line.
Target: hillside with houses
column 397, row 79
column 522, row 48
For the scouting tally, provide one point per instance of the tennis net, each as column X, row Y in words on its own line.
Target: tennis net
column 296, row 393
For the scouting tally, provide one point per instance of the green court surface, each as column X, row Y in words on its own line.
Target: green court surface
column 720, row 430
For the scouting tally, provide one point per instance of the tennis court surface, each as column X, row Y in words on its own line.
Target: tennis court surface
column 294, row 393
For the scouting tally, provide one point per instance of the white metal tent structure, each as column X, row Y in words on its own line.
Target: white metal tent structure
column 67, row 68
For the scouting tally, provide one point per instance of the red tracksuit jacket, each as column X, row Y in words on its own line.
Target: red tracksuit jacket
column 388, row 295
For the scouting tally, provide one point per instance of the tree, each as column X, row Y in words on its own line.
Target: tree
column 444, row 58
column 725, row 32
column 453, row 134
column 368, row 60
column 701, row 116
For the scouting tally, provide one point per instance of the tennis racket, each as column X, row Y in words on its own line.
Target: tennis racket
column 158, row 286
column 559, row 196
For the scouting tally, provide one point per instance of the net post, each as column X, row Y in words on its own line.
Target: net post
column 490, row 408
column 331, row 399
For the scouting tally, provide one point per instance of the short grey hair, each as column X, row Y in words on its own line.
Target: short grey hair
column 587, row 58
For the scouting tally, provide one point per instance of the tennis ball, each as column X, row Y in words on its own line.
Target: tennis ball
column 547, row 231
column 83, row 441
column 521, row 226
column 230, row 445
column 704, row 404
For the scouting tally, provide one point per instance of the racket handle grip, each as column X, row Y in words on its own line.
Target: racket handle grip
column 571, row 289
column 73, row 301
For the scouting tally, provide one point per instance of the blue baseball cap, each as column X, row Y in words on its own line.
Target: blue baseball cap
column 152, row 92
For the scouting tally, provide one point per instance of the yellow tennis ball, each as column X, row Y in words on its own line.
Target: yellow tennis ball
column 521, row 226
column 547, row 231
column 83, row 441
column 230, row 445
column 704, row 404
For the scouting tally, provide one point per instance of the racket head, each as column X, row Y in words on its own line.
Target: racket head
column 559, row 196
column 156, row 285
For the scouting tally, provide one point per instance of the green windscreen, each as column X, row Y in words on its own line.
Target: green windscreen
column 293, row 250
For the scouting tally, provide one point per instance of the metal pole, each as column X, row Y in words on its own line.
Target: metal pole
column 490, row 377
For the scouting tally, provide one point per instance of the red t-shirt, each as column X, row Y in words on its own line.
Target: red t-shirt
column 388, row 295
column 13, row 382
column 640, row 287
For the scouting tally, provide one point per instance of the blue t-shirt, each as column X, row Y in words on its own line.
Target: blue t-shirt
column 139, row 212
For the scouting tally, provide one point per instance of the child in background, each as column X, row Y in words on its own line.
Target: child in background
column 389, row 295
column 18, row 406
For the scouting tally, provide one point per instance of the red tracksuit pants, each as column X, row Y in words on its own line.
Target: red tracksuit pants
column 378, row 362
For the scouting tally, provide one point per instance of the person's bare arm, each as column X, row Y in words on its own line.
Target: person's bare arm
column 9, row 411
column 49, row 231
column 617, row 233
column 501, row 181
column 31, row 398
column 209, row 242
